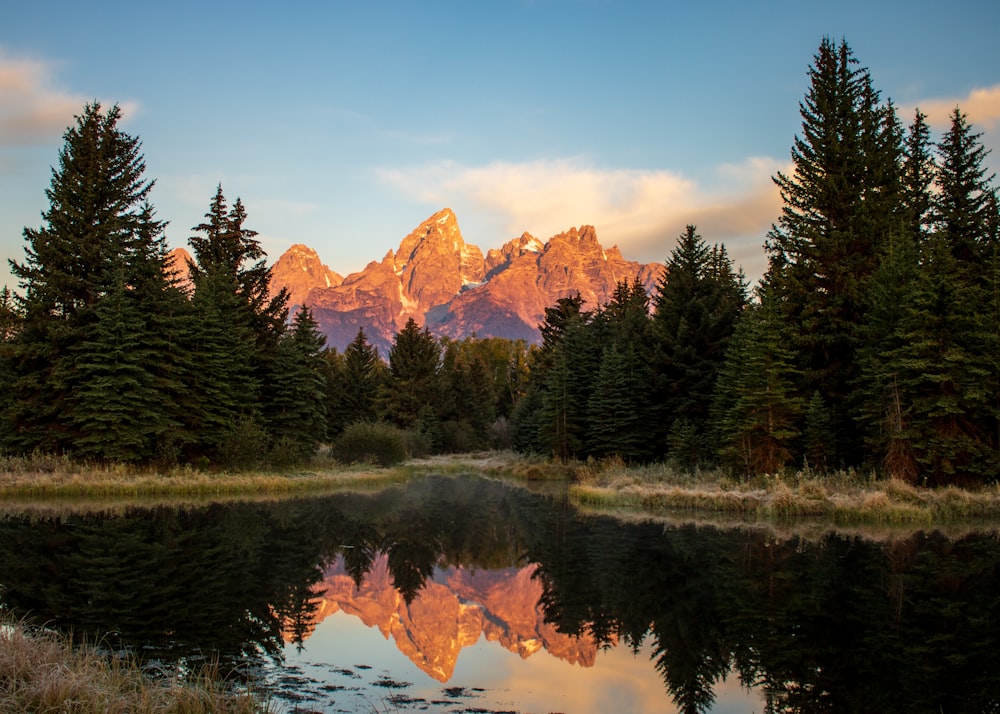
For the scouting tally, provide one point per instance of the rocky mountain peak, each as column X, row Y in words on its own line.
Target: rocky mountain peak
column 444, row 283
column 300, row 270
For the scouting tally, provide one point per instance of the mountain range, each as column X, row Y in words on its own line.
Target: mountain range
column 450, row 287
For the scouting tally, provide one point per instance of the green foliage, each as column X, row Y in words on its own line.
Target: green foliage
column 372, row 442
column 840, row 205
column 356, row 378
column 757, row 411
column 413, row 382
column 696, row 305
column 296, row 396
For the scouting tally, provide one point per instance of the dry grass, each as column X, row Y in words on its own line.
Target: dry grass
column 845, row 498
column 52, row 478
column 44, row 672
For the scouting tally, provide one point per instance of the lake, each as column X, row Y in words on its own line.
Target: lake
column 465, row 594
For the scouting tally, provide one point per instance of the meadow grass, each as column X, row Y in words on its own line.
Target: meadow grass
column 844, row 498
column 42, row 671
column 55, row 477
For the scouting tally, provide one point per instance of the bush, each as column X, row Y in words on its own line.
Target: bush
column 244, row 445
column 372, row 442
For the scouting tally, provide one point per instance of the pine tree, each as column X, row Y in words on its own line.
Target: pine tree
column 942, row 376
column 839, row 207
column 964, row 206
column 94, row 232
column 756, row 410
column 117, row 411
column 696, row 304
column 223, row 390
column 919, row 171
column 296, row 396
column 564, row 372
column 226, row 246
column 619, row 425
column 410, row 396
column 237, row 332
column 357, row 379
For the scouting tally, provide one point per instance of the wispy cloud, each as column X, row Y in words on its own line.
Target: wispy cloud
column 982, row 105
column 33, row 110
column 642, row 211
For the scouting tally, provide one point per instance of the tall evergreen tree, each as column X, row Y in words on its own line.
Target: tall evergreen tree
column 757, row 412
column 296, row 393
column 572, row 361
column 942, row 375
column 357, row 378
column 619, row 425
column 116, row 410
column 239, row 326
column 696, row 304
column 918, row 174
column 96, row 229
column 410, row 396
column 838, row 210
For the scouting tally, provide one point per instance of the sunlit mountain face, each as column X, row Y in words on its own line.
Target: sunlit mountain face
column 449, row 286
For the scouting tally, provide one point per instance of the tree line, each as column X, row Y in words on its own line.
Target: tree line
column 872, row 341
column 108, row 355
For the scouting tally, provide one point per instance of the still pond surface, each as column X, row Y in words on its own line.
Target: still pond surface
column 470, row 595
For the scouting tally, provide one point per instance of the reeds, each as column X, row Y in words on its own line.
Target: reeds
column 41, row 671
column 844, row 498
column 55, row 477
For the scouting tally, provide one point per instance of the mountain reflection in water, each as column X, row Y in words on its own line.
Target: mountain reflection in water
column 907, row 623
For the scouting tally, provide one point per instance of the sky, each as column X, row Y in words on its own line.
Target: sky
column 343, row 125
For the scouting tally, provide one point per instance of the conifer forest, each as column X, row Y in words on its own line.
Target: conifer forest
column 872, row 341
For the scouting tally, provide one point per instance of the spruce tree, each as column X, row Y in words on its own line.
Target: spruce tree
column 696, row 304
column 358, row 376
column 237, row 331
column 116, row 410
column 410, row 397
column 296, row 418
column 839, row 207
column 757, row 411
column 94, row 233
column 562, row 373
column 942, row 375
column 619, row 424
column 963, row 208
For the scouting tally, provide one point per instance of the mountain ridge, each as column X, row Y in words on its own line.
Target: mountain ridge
column 450, row 287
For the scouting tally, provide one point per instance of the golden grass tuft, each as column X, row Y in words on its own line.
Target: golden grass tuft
column 41, row 671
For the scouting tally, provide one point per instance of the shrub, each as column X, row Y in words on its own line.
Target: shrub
column 244, row 445
column 372, row 442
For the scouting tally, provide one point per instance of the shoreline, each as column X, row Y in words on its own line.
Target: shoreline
column 842, row 500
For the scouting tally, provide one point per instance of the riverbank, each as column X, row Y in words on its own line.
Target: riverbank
column 42, row 671
column 844, row 498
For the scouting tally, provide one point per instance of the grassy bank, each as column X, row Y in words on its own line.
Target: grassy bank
column 843, row 498
column 41, row 671
column 53, row 477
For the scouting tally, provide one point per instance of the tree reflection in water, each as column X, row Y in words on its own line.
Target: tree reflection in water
column 832, row 624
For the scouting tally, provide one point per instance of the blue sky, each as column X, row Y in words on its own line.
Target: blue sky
column 342, row 125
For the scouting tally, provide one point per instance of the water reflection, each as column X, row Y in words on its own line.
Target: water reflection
column 443, row 565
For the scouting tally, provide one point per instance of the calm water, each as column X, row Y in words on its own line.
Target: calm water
column 468, row 595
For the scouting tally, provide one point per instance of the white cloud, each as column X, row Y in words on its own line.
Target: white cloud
column 642, row 211
column 982, row 105
column 32, row 109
